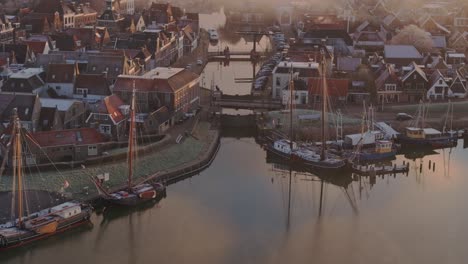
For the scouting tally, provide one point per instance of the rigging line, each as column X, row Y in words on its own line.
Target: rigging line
column 28, row 148
column 60, row 174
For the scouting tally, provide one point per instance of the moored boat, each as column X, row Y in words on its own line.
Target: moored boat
column 23, row 229
column 133, row 194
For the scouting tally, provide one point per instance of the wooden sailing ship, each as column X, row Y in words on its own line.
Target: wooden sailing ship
column 302, row 155
column 134, row 194
column 23, row 229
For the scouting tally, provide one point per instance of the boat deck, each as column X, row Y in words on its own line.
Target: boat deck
column 372, row 170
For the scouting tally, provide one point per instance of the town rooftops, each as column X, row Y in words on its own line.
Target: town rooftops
column 24, row 103
column 401, row 52
column 27, row 73
column 60, row 104
column 60, row 73
column 162, row 73
column 79, row 136
column 95, row 83
column 157, row 80
column 111, row 105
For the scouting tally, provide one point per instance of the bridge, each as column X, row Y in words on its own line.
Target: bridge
column 246, row 102
column 234, row 56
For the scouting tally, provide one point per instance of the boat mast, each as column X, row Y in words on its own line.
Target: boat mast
column 291, row 94
column 324, row 108
column 131, row 138
column 18, row 165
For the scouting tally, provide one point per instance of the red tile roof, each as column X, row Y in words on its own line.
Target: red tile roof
column 110, row 105
column 79, row 136
column 336, row 87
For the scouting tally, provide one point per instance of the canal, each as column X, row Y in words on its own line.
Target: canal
column 246, row 209
column 236, row 211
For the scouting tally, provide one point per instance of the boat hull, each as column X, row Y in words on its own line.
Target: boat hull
column 319, row 166
column 373, row 156
column 439, row 142
column 28, row 236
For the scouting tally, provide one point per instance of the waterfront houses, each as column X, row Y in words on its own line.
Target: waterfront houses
column 65, row 145
column 175, row 88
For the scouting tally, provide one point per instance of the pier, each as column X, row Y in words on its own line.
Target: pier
column 373, row 170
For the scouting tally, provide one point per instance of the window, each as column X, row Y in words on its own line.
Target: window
column 105, row 129
column 414, row 77
column 57, row 88
column 440, row 81
column 53, row 76
column 278, row 81
column 390, row 87
column 82, row 91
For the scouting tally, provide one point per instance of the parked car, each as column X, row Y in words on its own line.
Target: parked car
column 403, row 117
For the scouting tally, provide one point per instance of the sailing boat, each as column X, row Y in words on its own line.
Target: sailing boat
column 24, row 229
column 134, row 194
column 310, row 158
column 302, row 155
column 420, row 136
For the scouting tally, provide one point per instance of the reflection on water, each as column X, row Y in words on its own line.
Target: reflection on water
column 225, row 77
column 243, row 209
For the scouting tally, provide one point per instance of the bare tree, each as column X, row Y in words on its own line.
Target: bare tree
column 413, row 35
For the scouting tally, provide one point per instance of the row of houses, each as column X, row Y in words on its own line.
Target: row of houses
column 69, row 73
column 364, row 62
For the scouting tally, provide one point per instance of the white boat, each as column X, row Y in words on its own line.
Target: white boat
column 213, row 34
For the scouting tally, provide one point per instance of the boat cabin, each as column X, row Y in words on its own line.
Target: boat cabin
column 383, row 146
column 284, row 145
column 422, row 133
column 368, row 138
column 66, row 210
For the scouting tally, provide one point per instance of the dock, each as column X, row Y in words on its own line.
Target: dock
column 372, row 170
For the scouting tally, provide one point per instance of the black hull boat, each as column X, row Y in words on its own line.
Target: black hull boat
column 328, row 165
column 137, row 194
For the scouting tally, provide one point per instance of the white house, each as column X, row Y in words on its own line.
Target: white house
column 282, row 74
column 300, row 93
column 438, row 89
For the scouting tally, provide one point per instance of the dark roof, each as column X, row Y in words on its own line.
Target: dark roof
column 38, row 22
column 113, row 64
column 79, row 136
column 61, row 73
column 23, row 103
column 22, row 85
column 331, row 34
column 47, row 117
column 336, row 87
column 95, row 83
column 21, row 51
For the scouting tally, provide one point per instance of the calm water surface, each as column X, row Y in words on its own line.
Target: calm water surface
column 236, row 211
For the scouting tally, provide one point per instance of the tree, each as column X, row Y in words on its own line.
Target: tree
column 413, row 35
column 364, row 73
